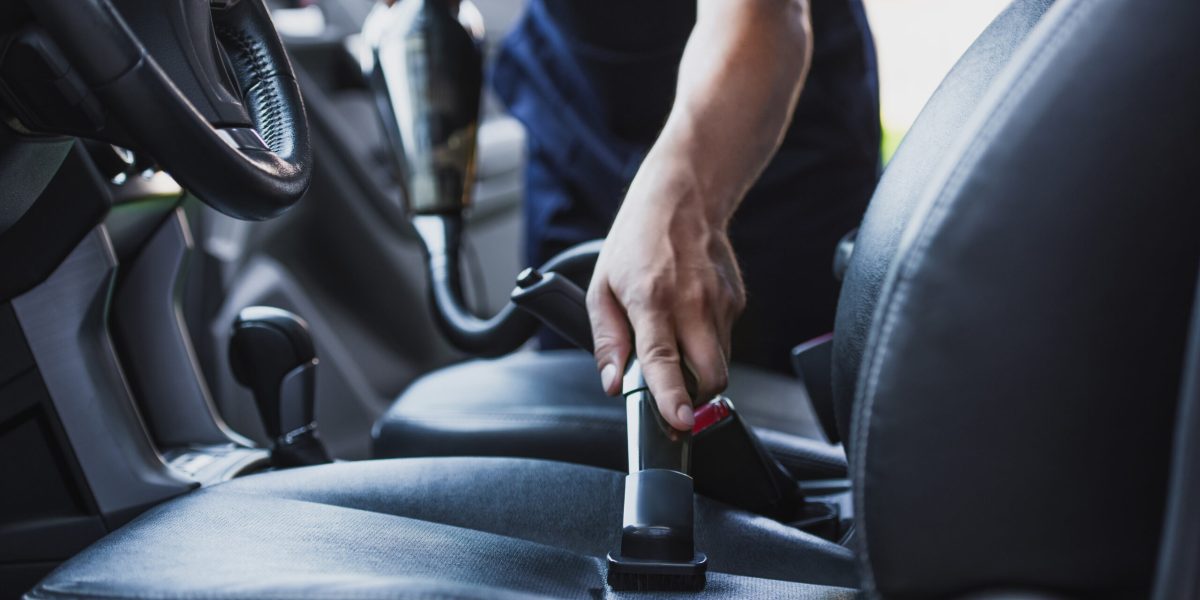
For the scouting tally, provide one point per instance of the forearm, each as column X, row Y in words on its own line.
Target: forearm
column 740, row 76
column 667, row 285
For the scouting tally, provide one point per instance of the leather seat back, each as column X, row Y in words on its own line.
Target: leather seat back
column 1013, row 411
column 935, row 129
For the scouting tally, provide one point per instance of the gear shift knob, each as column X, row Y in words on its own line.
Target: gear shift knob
column 271, row 352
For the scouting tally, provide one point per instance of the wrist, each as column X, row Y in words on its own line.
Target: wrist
column 680, row 173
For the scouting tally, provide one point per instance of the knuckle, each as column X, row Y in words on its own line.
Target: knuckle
column 600, row 323
column 659, row 353
column 696, row 298
column 694, row 290
column 651, row 293
column 604, row 342
column 596, row 309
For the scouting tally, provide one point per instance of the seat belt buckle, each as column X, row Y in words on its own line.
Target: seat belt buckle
column 730, row 464
column 711, row 414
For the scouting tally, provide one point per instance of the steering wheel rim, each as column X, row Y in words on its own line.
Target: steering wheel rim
column 250, row 167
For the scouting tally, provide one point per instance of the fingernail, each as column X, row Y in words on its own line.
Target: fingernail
column 686, row 416
column 607, row 375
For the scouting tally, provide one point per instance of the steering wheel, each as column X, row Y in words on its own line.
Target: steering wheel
column 204, row 87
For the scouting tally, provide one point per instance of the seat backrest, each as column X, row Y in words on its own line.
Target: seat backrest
column 1180, row 553
column 891, row 207
column 1013, row 412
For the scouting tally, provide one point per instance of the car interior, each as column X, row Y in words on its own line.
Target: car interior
column 253, row 344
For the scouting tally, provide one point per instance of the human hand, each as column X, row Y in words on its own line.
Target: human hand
column 667, row 285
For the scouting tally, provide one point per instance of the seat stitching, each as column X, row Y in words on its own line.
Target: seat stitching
column 254, row 57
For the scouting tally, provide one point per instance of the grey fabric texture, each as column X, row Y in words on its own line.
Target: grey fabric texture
column 426, row 528
column 549, row 405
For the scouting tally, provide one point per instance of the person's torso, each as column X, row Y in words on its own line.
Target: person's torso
column 595, row 81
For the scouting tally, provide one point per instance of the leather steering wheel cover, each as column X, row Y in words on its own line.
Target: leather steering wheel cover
column 151, row 111
column 264, row 75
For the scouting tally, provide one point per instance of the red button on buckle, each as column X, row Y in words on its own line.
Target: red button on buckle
column 710, row 414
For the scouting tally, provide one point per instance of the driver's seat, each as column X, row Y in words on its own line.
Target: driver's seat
column 1012, row 418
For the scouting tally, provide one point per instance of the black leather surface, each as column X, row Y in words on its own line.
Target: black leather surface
column 925, row 145
column 269, row 89
column 427, row 528
column 264, row 74
column 549, row 405
column 1014, row 412
column 1176, row 575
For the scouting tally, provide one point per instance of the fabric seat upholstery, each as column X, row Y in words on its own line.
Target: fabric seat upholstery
column 438, row 527
column 549, row 405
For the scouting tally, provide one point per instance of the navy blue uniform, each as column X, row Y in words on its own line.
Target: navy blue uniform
column 593, row 83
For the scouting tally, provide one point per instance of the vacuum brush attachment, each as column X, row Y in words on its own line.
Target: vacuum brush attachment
column 658, row 551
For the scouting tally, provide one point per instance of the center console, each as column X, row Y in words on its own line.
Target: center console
column 103, row 412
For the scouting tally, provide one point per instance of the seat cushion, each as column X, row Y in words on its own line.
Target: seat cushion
column 550, row 405
column 436, row 527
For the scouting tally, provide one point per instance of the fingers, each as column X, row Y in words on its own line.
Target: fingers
column 658, row 354
column 610, row 334
column 703, row 352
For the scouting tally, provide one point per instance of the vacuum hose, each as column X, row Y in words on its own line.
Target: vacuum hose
column 422, row 60
column 505, row 331
column 495, row 336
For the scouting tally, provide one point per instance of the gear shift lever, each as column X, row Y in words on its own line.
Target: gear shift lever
column 271, row 352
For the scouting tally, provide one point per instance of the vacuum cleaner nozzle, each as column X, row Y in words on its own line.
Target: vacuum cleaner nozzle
column 658, row 551
column 657, row 545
